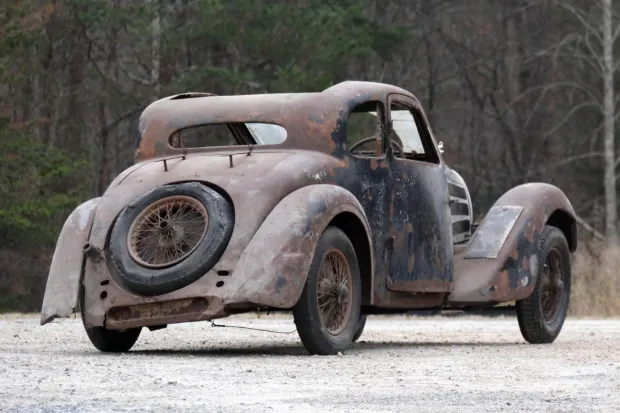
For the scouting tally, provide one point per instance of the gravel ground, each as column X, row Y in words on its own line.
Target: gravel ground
column 401, row 365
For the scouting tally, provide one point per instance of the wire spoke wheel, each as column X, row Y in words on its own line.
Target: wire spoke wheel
column 541, row 315
column 167, row 231
column 328, row 310
column 335, row 285
column 552, row 287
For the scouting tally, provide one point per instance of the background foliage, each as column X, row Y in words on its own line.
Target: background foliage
column 512, row 88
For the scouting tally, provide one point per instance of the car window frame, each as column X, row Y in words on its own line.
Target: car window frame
column 381, row 107
column 239, row 131
column 431, row 151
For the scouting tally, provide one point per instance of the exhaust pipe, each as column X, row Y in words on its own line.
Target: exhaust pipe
column 92, row 252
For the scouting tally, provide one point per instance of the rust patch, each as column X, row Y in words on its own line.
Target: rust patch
column 158, row 309
column 401, row 300
column 284, row 196
column 426, row 286
column 502, row 284
column 511, row 275
column 515, row 254
column 162, row 312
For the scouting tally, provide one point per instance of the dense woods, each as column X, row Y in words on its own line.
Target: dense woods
column 518, row 91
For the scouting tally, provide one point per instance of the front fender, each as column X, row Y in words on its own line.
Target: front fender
column 500, row 261
column 276, row 262
column 65, row 273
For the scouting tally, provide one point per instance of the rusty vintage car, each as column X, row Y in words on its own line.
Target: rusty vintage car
column 332, row 205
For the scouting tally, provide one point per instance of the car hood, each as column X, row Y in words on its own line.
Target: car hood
column 255, row 183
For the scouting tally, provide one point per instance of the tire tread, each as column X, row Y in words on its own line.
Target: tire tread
column 529, row 312
column 108, row 341
column 306, row 313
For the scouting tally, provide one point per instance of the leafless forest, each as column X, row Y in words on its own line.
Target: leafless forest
column 518, row 91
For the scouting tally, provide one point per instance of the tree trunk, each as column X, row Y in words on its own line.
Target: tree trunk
column 104, row 166
column 609, row 111
column 156, row 48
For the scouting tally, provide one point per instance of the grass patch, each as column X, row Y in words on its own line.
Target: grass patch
column 595, row 282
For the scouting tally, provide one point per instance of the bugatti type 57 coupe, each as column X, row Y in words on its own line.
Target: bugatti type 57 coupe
column 332, row 205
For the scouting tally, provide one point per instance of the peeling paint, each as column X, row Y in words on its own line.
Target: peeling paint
column 66, row 268
column 285, row 195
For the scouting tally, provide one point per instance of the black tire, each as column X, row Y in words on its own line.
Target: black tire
column 361, row 323
column 313, row 334
column 109, row 341
column 155, row 281
column 530, row 311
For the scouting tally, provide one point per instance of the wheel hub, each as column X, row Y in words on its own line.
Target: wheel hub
column 167, row 231
column 552, row 288
column 334, row 288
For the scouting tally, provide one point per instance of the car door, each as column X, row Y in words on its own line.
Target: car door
column 368, row 174
column 420, row 232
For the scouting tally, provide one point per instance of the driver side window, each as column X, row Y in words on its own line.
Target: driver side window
column 410, row 139
column 366, row 130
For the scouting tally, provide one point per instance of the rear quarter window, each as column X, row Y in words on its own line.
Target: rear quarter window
column 229, row 134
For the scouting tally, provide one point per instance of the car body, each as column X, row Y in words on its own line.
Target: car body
column 359, row 158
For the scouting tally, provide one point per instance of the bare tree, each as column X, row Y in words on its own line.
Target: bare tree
column 609, row 116
column 593, row 47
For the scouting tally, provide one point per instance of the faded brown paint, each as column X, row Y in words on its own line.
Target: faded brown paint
column 253, row 206
column 157, row 313
column 420, row 286
column 482, row 281
column 284, row 196
column 64, row 276
column 309, row 118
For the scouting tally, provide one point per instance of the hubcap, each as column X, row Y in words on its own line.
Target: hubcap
column 167, row 231
column 334, row 291
column 552, row 287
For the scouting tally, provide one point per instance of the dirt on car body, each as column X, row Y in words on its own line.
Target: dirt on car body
column 332, row 205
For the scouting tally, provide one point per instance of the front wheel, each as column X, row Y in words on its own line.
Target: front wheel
column 542, row 314
column 109, row 341
column 328, row 310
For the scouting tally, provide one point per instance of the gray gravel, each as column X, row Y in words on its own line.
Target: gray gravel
column 401, row 365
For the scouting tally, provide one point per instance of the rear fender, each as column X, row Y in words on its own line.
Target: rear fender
column 276, row 262
column 500, row 261
column 67, row 266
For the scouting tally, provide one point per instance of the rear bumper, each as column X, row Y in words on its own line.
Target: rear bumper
column 165, row 312
column 107, row 303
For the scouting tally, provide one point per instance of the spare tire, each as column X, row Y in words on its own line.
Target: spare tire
column 170, row 237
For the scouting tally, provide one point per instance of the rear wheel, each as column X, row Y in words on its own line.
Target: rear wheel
column 542, row 314
column 361, row 323
column 328, row 311
column 109, row 341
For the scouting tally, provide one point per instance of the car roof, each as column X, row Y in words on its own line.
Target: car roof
column 308, row 117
